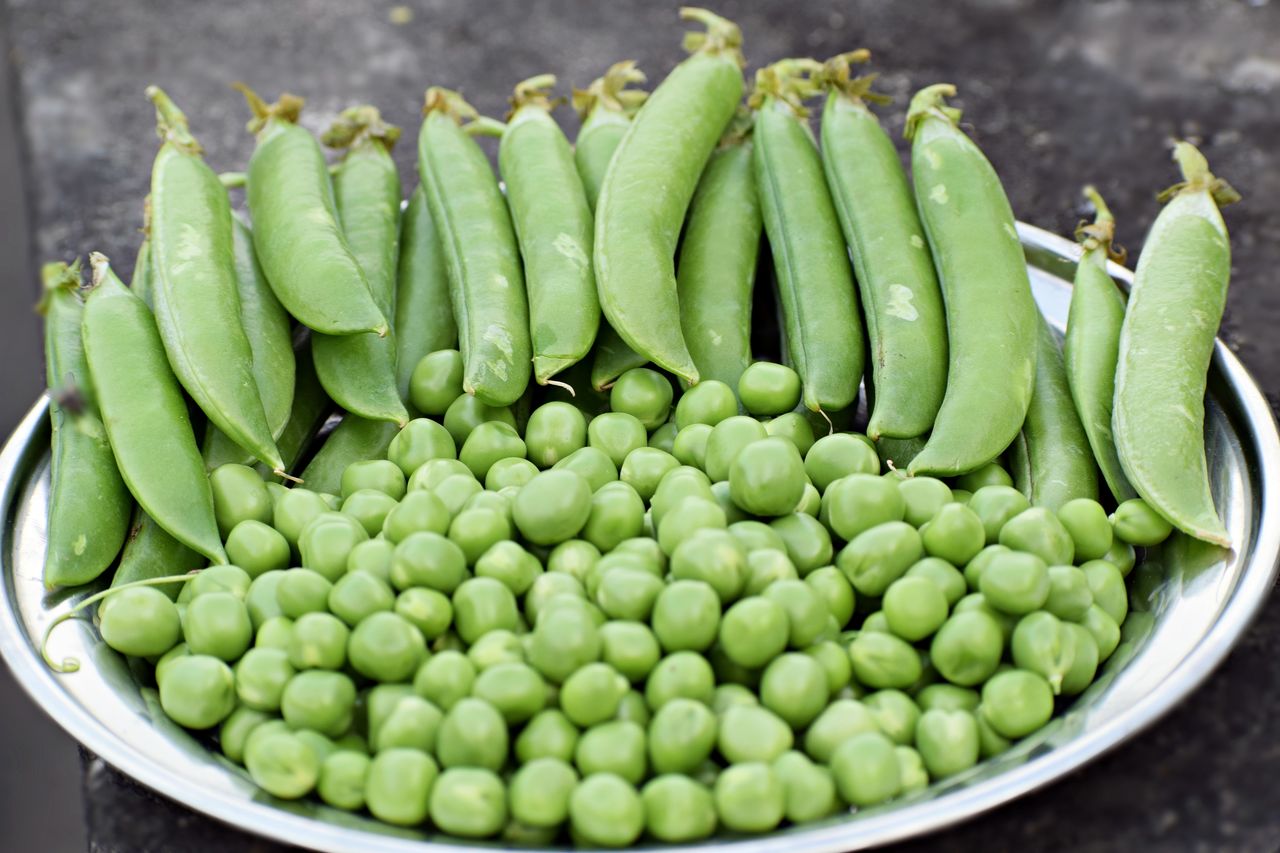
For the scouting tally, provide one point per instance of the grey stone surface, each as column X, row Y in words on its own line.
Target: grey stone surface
column 1059, row 94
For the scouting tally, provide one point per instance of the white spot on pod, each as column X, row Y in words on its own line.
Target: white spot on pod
column 902, row 303
column 938, row 194
column 569, row 247
column 917, row 241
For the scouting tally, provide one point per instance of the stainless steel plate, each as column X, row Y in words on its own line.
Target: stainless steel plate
column 1191, row 604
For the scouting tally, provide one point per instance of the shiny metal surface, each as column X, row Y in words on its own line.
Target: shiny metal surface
column 1191, row 603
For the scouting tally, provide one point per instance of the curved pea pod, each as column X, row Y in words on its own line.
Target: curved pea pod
column 906, row 323
column 553, row 226
column 145, row 414
column 1092, row 343
column 424, row 317
column 611, row 358
column 1175, row 305
column 275, row 368
column 359, row 371
column 1052, row 460
column 486, row 283
column 299, row 242
column 149, row 552
column 716, row 272
column 194, row 288
column 311, row 407
column 140, row 282
column 88, row 502
column 647, row 190
column 354, row 440
column 991, row 314
column 820, row 322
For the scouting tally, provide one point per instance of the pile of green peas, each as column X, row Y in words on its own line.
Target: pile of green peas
column 669, row 618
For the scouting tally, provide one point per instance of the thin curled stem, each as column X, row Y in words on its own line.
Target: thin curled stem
column 360, row 125
column 55, row 276
column 788, row 81
column 837, row 76
column 534, row 92
column 610, row 92
column 565, row 385
column 723, row 37
column 1196, row 177
column 1100, row 234
column 931, row 101
column 287, row 108
column 171, row 122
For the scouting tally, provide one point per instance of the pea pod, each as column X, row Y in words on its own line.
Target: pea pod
column 486, row 284
column 140, row 283
column 991, row 314
column 295, row 226
column 271, row 341
column 612, row 358
column 553, row 225
column 1052, row 460
column 815, row 284
column 906, row 324
column 149, row 552
column 194, row 288
column 88, row 501
column 716, row 272
column 311, row 406
column 647, row 189
column 354, row 440
column 359, row 371
column 145, row 415
column 1093, row 343
column 424, row 318
column 1175, row 306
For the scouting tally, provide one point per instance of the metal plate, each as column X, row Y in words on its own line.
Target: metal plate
column 1191, row 604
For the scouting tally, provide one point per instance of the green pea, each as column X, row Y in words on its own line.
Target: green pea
column 895, row 713
column 1086, row 521
column 605, row 810
column 990, row 742
column 261, row 676
column 398, row 786
column 1084, row 660
column 805, row 609
column 914, row 607
column 370, row 507
column 320, row 700
column 911, row 770
column 591, row 694
column 680, row 674
column 488, row 443
column 766, row 566
column 630, row 647
column 1069, row 593
column 552, row 507
column 835, row 591
column 681, row 736
column 473, row 734
column 807, row 542
column 974, row 568
column 318, row 641
column 284, row 766
column 327, row 543
column 229, row 579
column 216, row 623
column 1108, row 589
column 990, row 474
column 419, row 512
column 428, row 560
column 628, row 594
column 575, row 557
column 380, row 475
column 677, row 485
column 810, row 788
column 592, row 464
column 678, row 809
column 996, row 505
column 1038, row 531
column 413, row 723
column 728, row 695
column 554, row 431
column 750, row 797
column 794, row 686
column 436, row 381
column 386, row 647
column 481, row 605
column 1016, row 702
column 477, row 530
column 664, row 437
column 751, row 733
column 835, row 664
column 616, row 514
column 197, row 691
column 643, row 393
column 430, row 474
column 1105, row 630
column 1136, row 523
column 456, row 491
column 924, row 498
column 515, row 689
column 294, row 510
column 866, row 769
column 715, row 557
column 644, row 468
column 883, row 660
column 876, row 622
column 967, row 647
column 947, row 697
column 1043, row 645
column 617, row 747
column 962, row 496
column 648, row 551
column 876, row 558
column 511, row 472
column 709, row 402
column 1016, row 582
column 754, row 631
column 510, row 564
column 942, row 574
column 421, row 441
column 690, row 516
column 794, row 427
column 955, row 534
column 690, row 445
column 727, row 440
column 332, row 501
column 976, row 601
column 275, row 633
column 379, row 703
column 947, row 741
column 563, row 640
column 549, row 734
column 445, row 678
column 1122, row 556
column 257, row 548
column 616, row 434
column 239, row 494
column 236, row 729
column 496, row 648
column 342, row 777
column 539, row 792
column 767, row 477
column 766, row 388
column 467, row 412
column 839, row 455
column 858, row 502
column 142, row 622
column 686, row 615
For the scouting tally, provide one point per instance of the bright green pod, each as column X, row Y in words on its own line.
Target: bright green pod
column 195, row 290
column 1053, row 462
column 311, row 407
column 611, row 358
column 150, row 552
column 991, row 314
column 820, row 321
column 906, row 324
column 424, row 318
column 605, row 109
column 353, row 440
column 486, row 282
column 145, row 414
column 647, row 190
column 716, row 272
column 88, row 501
column 1175, row 306
column 359, row 371
column 1092, row 343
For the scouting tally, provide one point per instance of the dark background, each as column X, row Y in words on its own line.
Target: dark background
column 1058, row 94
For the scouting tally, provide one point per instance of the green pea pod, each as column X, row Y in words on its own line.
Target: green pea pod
column 991, row 314
column 149, row 552
column 717, row 268
column 311, row 406
column 486, row 283
column 359, row 371
column 906, row 323
column 424, row 318
column 1052, row 460
column 612, row 358
column 1175, row 306
column 140, row 283
column 1093, row 343
column 354, row 440
column 647, row 190
column 295, row 226
column 270, row 336
column 195, row 293
column 553, row 226
column 145, row 414
column 88, row 501
column 815, row 283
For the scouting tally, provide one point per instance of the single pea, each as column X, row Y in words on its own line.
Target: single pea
column 955, row 534
column 379, row 703
column 420, row 441
column 552, row 507
column 1016, row 702
column 876, row 621
column 794, row 427
column 750, row 732
column 591, row 694
column 644, row 468
column 839, row 455
column 545, row 586
column 197, row 691
column 858, row 502
column 810, row 788
column 767, row 477
column 261, row 676
column 302, row 591
column 1122, row 556
column 428, row 560
column 924, row 498
column 947, row 741
column 678, row 809
column 294, row 510
column 257, row 548
column 841, row 720
column 630, row 647
column 616, row 434
column 728, row 695
column 481, row 605
column 275, row 633
column 430, row 474
column 539, row 792
column 690, row 445
column 549, row 734
column 260, row 733
column 575, row 557
column 1136, row 523
column 996, row 505
column 496, row 647
column 284, row 765
column 628, row 594
column 605, row 810
column 239, row 494
column 413, row 723
column 835, row 591
column 879, row 556
column 1105, row 630
column 990, row 474
column 807, row 542
column 750, row 797
column 511, row 472
column 1090, row 530
column 947, row 697
column 644, row 394
column 766, row 388
column 754, row 631
column 373, row 556
column 342, row 780
column 1069, row 593
column 1038, row 531
column 386, row 647
column 883, row 660
column 488, row 443
column 563, row 640
column 320, row 700
column 914, row 608
column 616, row 514
column 664, row 437
column 398, row 786
column 794, row 686
column 318, row 641
column 616, row 746
column 445, row 678
column 1042, row 644
column 677, row 485
column 686, row 616
column 942, row 574
column 216, row 623
column 990, row 742
column 895, row 713
column 805, row 609
column 680, row 674
column 835, row 664
column 235, row 730
column 911, row 770
column 142, row 621
column 976, row 601
column 436, row 381
column 866, row 769
column 727, row 440
column 1084, row 660
column 1108, row 589
column 967, row 647
column 715, row 557
column 962, row 496
column 457, row 490
column 647, row 550
column 477, row 530
column 369, row 507
column 381, row 475
column 764, row 567
column 810, row 501
column 326, row 544
column 690, row 516
column 510, row 564
column 466, row 413
column 554, row 430
column 419, row 512
column 262, row 600
column 225, row 578
column 709, row 402
column 592, row 464
column 473, row 734
column 1016, row 582
column 515, row 689
column 974, row 568
column 681, row 736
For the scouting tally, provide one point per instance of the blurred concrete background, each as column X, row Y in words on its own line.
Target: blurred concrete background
column 1058, row 94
